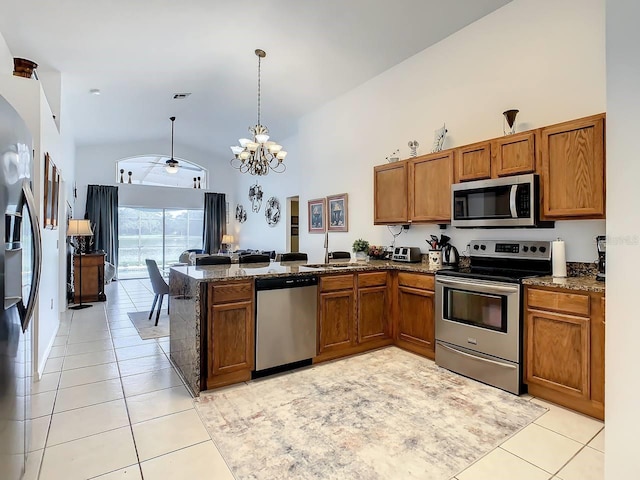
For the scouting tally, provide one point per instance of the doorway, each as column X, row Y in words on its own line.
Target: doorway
column 293, row 224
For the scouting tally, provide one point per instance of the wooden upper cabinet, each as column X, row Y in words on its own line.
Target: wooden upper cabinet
column 473, row 162
column 430, row 179
column 390, row 192
column 573, row 169
column 514, row 154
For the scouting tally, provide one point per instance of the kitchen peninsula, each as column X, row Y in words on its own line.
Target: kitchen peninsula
column 359, row 299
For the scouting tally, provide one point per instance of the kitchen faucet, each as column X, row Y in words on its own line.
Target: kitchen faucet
column 326, row 247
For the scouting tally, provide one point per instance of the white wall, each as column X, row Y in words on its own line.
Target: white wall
column 96, row 165
column 623, row 240
column 255, row 233
column 544, row 57
column 6, row 59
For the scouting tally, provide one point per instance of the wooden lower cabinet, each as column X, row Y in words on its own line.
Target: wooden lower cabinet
column 230, row 334
column 354, row 314
column 336, row 330
column 564, row 352
column 416, row 327
column 372, row 314
column 558, row 352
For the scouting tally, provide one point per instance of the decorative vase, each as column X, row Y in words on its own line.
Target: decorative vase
column 361, row 256
column 510, row 119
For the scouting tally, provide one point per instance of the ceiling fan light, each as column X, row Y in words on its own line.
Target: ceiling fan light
column 236, row 150
column 244, row 142
column 262, row 138
column 171, row 169
column 281, row 155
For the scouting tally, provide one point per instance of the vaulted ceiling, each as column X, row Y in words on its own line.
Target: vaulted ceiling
column 140, row 52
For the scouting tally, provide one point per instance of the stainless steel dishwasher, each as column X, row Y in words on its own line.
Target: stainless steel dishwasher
column 286, row 319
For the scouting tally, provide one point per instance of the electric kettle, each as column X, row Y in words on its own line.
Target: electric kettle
column 450, row 255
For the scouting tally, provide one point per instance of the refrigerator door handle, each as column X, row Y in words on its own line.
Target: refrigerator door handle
column 37, row 253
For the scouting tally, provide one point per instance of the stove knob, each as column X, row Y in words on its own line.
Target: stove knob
column 543, row 249
column 483, row 247
column 533, row 249
column 476, row 247
column 525, row 249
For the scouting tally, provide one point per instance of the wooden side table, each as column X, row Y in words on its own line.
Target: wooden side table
column 92, row 278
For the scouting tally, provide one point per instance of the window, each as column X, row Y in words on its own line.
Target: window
column 150, row 170
column 160, row 234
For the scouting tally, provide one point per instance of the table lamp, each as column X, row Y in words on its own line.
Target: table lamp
column 227, row 240
column 80, row 228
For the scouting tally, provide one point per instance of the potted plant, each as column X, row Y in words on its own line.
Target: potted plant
column 361, row 247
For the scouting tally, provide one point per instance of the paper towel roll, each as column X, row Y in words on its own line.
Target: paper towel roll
column 558, row 259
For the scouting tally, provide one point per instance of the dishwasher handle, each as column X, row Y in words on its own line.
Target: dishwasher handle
column 292, row 281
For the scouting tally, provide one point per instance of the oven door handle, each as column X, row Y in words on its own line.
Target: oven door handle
column 512, row 201
column 482, row 287
column 473, row 357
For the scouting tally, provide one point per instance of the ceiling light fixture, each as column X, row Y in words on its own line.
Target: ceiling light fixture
column 172, row 164
column 259, row 155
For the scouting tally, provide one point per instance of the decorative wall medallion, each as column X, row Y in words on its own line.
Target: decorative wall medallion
column 241, row 214
column 272, row 211
column 255, row 195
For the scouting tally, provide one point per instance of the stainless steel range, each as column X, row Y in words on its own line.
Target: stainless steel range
column 479, row 326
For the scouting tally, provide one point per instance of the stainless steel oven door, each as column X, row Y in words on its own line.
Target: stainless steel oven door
column 480, row 315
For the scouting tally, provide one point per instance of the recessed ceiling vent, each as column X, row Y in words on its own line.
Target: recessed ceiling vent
column 180, row 96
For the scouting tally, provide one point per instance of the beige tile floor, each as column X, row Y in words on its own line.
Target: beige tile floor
column 111, row 406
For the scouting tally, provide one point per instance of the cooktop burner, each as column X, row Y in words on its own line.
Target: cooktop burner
column 505, row 261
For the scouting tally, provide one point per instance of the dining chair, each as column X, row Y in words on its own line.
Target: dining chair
column 214, row 260
column 254, row 258
column 160, row 288
column 293, row 257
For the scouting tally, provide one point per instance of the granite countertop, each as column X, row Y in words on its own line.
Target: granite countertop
column 585, row 283
column 213, row 273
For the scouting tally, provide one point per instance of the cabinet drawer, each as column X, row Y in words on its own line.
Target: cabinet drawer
column 575, row 303
column 231, row 292
column 416, row 280
column 336, row 282
column 373, row 279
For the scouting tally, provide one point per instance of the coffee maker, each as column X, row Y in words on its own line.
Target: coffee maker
column 601, row 243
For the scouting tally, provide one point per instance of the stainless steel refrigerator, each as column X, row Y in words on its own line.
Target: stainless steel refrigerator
column 20, row 262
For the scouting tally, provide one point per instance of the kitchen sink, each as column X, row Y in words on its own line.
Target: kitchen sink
column 331, row 265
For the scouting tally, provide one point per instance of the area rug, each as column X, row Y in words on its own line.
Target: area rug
column 146, row 328
column 387, row 414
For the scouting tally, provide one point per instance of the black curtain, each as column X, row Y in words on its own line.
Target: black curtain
column 102, row 211
column 215, row 221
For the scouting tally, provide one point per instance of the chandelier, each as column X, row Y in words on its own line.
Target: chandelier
column 259, row 155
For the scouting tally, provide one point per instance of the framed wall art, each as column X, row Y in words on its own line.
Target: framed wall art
column 48, row 191
column 317, row 215
column 338, row 213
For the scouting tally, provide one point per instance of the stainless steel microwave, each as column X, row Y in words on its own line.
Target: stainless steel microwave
column 500, row 202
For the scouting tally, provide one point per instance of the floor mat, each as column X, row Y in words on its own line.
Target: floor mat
column 387, row 414
column 146, row 328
